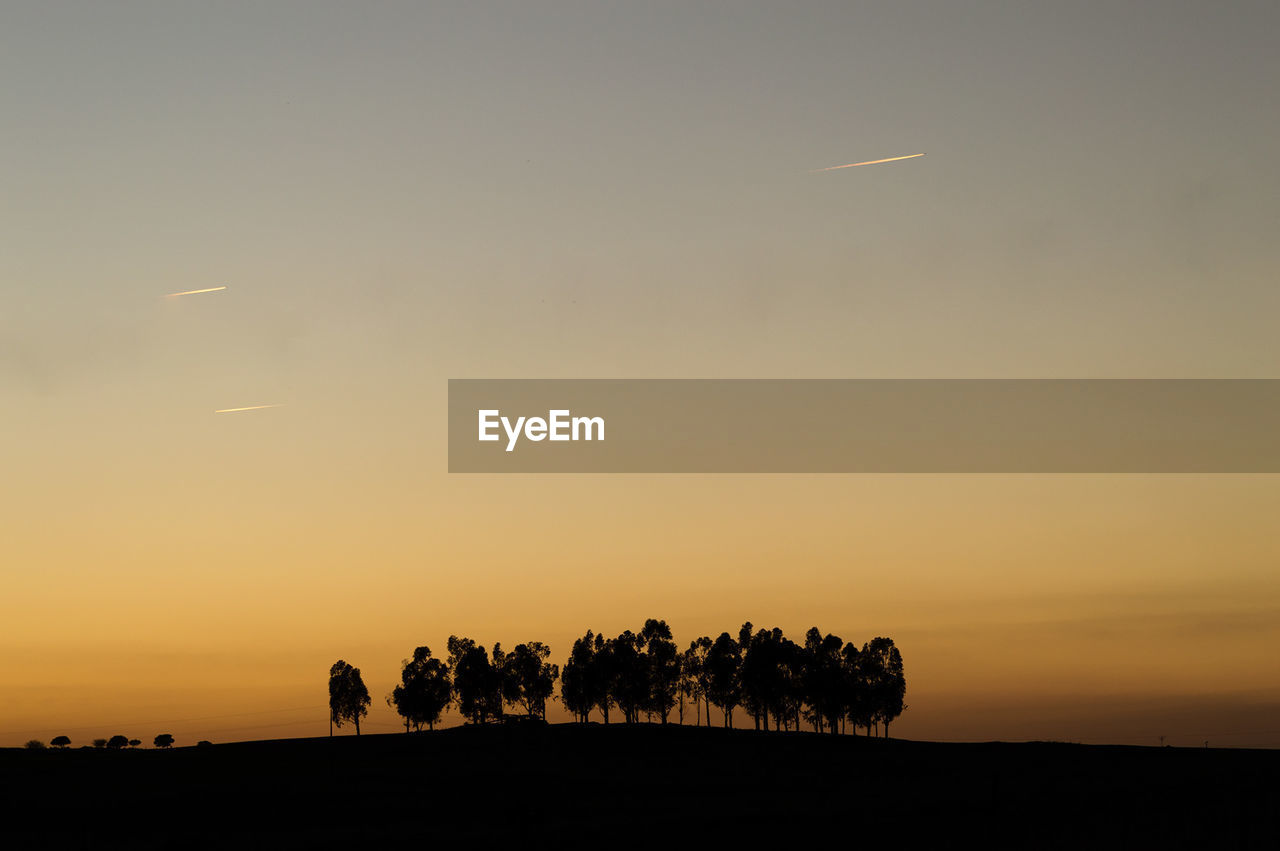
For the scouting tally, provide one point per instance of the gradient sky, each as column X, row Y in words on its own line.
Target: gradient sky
column 395, row 194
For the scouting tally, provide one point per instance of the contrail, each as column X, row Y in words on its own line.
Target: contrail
column 194, row 292
column 868, row 162
column 250, row 408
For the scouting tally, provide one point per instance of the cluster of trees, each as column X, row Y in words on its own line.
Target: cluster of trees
column 825, row 681
column 478, row 683
column 115, row 743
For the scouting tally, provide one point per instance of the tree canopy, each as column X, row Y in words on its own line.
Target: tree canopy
column 348, row 696
column 425, row 690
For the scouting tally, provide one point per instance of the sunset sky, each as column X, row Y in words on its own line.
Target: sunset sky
column 395, row 194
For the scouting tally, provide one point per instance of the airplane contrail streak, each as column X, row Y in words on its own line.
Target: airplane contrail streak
column 250, row 408
column 195, row 292
column 868, row 162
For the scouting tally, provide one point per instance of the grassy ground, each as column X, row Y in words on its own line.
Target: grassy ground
column 616, row 785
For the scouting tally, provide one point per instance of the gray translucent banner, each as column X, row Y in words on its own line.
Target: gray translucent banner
column 864, row 426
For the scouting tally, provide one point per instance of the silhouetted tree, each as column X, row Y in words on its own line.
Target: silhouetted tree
column 164, row 740
column 133, row 743
column 630, row 678
column 686, row 686
column 528, row 679
column 99, row 743
column 34, row 745
column 425, row 692
column 348, row 696
column 700, row 678
column 765, row 678
column 204, row 743
column 662, row 663
column 575, row 679
column 477, row 685
column 604, row 674
column 858, row 705
column 824, row 681
column 723, row 665
column 886, row 682
column 60, row 742
column 117, row 742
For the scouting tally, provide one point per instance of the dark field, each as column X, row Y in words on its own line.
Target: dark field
column 616, row 785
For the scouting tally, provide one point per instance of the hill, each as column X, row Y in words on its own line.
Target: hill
column 621, row 785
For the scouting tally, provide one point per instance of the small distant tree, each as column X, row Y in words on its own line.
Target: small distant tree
column 99, row 743
column 685, row 684
column 824, row 680
column 425, row 690
column 576, row 681
column 204, row 743
column 630, row 680
column 164, row 740
column 115, row 743
column 604, row 674
column 529, row 679
column 700, row 677
column 724, row 667
column 34, row 745
column 886, row 682
column 477, row 684
column 662, row 661
column 133, row 743
column 61, row 742
column 348, row 698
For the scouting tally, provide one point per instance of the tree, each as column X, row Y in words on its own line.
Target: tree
column 61, row 742
column 604, row 674
column 528, row 679
column 133, row 743
column 696, row 664
column 425, row 690
column 763, row 674
column 348, row 697
column 724, row 666
column 117, row 742
column 824, row 680
column 885, row 679
column 576, row 682
column 477, row 685
column 630, row 676
column 857, row 704
column 99, row 743
column 662, row 661
column 34, row 745
column 686, row 686
column 164, row 740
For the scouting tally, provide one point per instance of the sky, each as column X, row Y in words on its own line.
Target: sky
column 395, row 194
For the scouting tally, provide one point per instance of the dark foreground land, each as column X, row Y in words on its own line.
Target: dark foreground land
column 622, row 786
